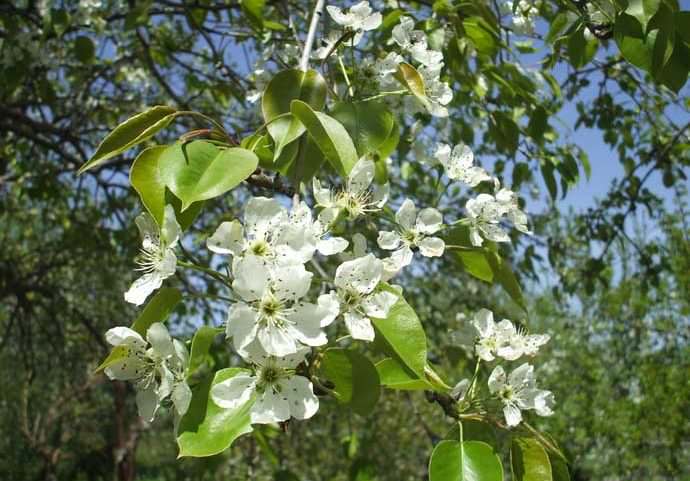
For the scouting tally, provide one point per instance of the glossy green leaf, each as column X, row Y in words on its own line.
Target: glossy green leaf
column 637, row 48
column 284, row 87
column 464, row 461
column 306, row 163
column 529, row 460
column 146, row 180
column 643, row 10
column 503, row 274
column 199, row 170
column 201, row 344
column 403, row 335
column 355, row 378
column 393, row 375
column 329, row 135
column 158, row 309
column 207, row 429
column 674, row 75
column 116, row 353
column 483, row 36
column 410, row 78
column 473, row 431
column 84, row 49
column 559, row 468
column 474, row 260
column 133, row 131
column 368, row 123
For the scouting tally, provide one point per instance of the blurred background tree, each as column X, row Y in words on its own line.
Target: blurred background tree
column 609, row 278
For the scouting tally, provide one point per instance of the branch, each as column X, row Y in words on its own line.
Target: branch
column 318, row 9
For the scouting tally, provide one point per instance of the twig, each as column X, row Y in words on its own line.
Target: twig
column 309, row 42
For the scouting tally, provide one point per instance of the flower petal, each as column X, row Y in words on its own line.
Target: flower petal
column 241, row 325
column 331, row 246
column 432, row 247
column 429, row 221
column 181, row 397
column 406, row 214
column 147, row 402
column 124, row 335
column 379, row 304
column 362, row 274
column 270, row 407
column 291, row 282
column 227, row 239
column 143, row 287
column 359, row 326
column 233, row 392
column 361, row 175
column 277, row 341
column 251, row 277
column 158, row 336
column 170, row 230
column 497, row 379
column 262, row 215
column 389, row 240
column 512, row 414
column 300, row 395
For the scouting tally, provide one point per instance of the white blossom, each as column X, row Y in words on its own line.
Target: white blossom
column 438, row 93
column 271, row 311
column 385, row 69
column 327, row 44
column 524, row 15
column 356, row 281
column 157, row 258
column 459, row 164
column 359, row 196
column 485, row 214
column 511, row 208
column 416, row 230
column 459, row 391
column 156, row 366
column 276, row 391
column 518, row 393
column 358, row 18
column 406, row 36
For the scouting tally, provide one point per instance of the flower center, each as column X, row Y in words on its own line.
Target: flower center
column 150, row 257
column 259, row 248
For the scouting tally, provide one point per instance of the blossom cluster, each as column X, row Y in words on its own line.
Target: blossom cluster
column 516, row 391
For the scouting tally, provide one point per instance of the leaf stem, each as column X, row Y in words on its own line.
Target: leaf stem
column 216, row 275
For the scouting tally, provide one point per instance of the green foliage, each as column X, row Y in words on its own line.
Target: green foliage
column 355, row 379
column 464, row 461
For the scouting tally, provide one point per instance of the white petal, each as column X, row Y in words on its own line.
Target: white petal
column 291, row 282
column 241, row 325
column 181, row 397
column 406, row 214
column 522, row 375
column 321, row 194
column 270, row 407
column 234, row 392
column 338, row 16
column 379, row 194
column 128, row 368
column 158, row 336
column 361, row 175
column 165, row 381
column 429, row 221
column 297, row 245
column 170, row 230
column 148, row 229
column 147, row 403
column 331, row 246
column 497, row 379
column 402, row 257
column 291, row 361
column 432, row 246
column 484, row 322
column 512, row 414
column 329, row 306
column 379, row 304
column 388, row 240
column 359, row 326
column 277, row 341
column 124, row 335
column 544, row 403
column 460, row 390
column 143, row 287
column 362, row 274
column 495, row 232
column 300, row 394
column 167, row 265
column 227, row 239
column 251, row 277
column 307, row 324
column 475, row 237
column 372, row 21
column 262, row 215
column 359, row 245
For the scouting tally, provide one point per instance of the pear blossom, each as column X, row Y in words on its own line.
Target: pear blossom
column 524, row 15
column 303, row 235
column 276, row 392
column 271, row 311
column 358, row 18
column 485, row 214
column 385, row 69
column 494, row 338
column 415, row 231
column 157, row 259
column 460, row 390
column 459, row 164
column 264, row 222
column 518, row 392
column 359, row 196
column 509, row 201
column 438, row 93
column 156, row 366
column 355, row 282
column 406, row 36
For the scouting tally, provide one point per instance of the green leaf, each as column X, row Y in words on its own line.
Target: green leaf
column 538, row 123
column 199, row 170
column 675, row 73
column 482, row 35
column 635, row 47
column 158, row 309
column 642, row 10
column 368, row 123
column 559, row 468
column 355, row 378
column 145, row 178
column 84, row 49
column 529, row 460
column 306, row 163
column 284, row 87
column 393, row 375
column 130, row 133
column 403, row 335
column 580, row 50
column 201, row 344
column 207, row 429
column 473, row 431
column 506, row 132
column 557, row 26
column 464, row 461
column 329, row 135
column 410, row 78
column 682, row 20
column 549, row 179
column 503, row 274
